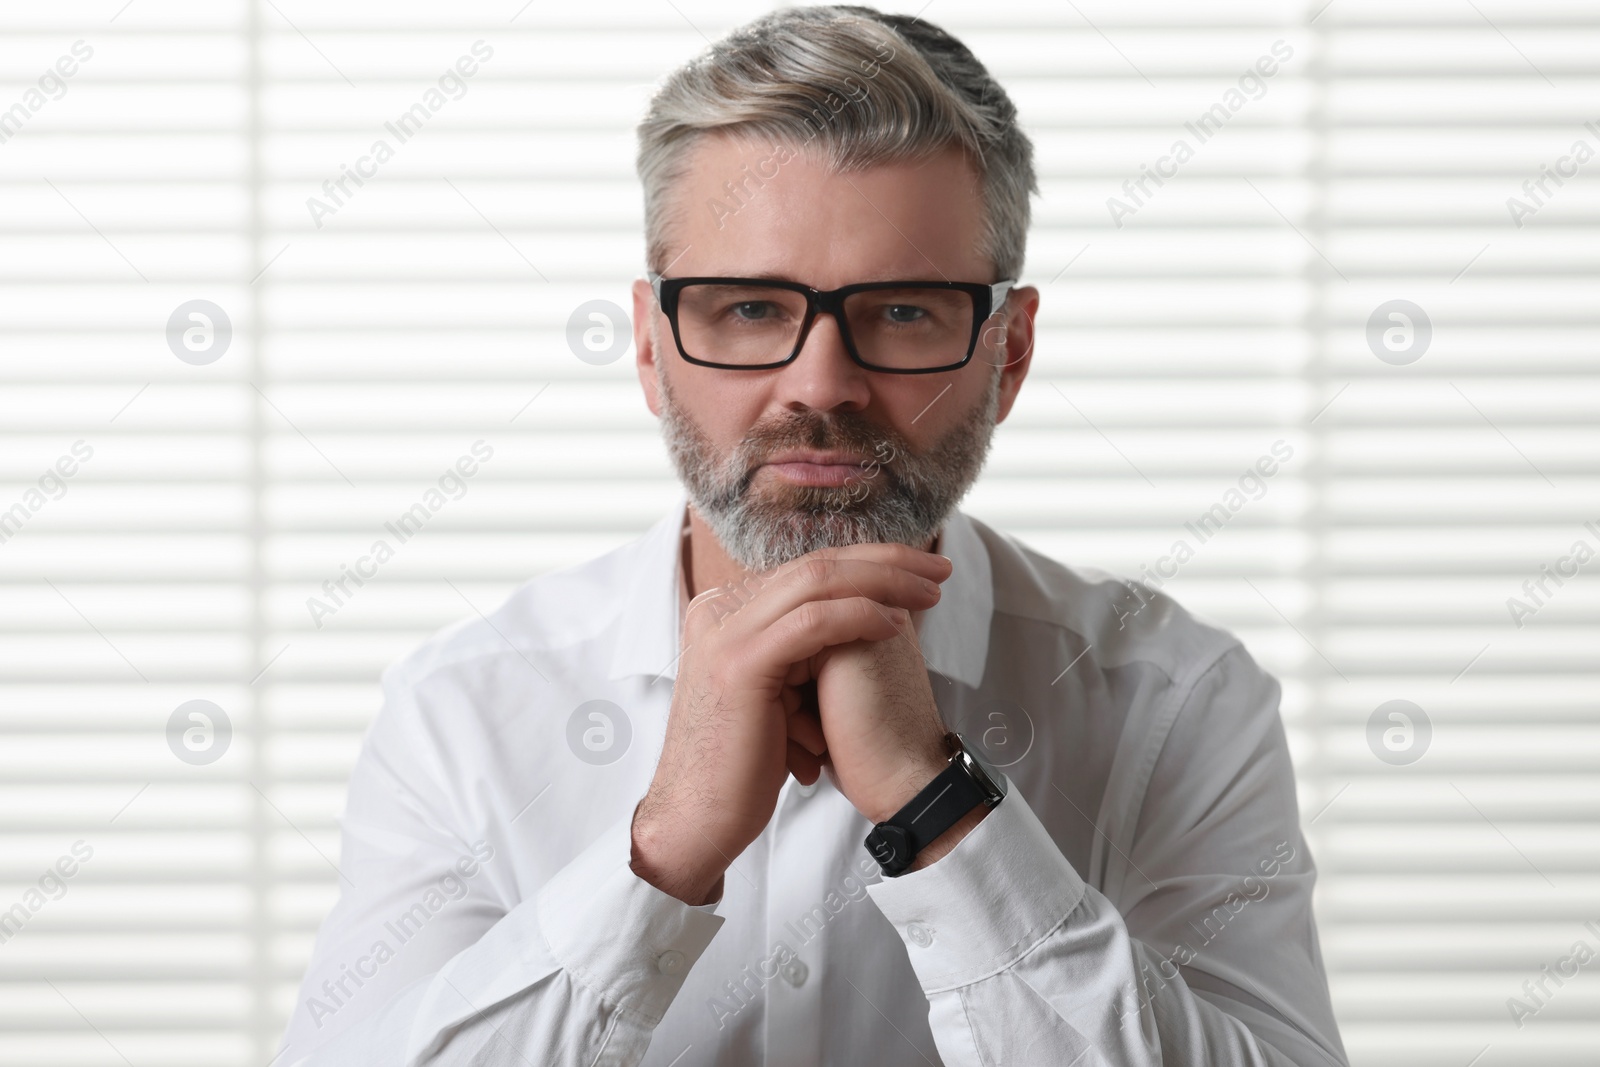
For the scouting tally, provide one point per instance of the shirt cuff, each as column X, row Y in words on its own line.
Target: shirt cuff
column 983, row 905
column 617, row 933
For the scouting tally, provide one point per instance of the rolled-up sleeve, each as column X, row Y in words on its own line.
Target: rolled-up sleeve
column 1209, row 954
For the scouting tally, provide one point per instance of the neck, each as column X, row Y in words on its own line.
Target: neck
column 706, row 565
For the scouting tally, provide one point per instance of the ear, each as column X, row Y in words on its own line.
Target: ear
column 644, row 347
column 1020, row 312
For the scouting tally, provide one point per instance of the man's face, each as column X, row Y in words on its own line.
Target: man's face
column 823, row 451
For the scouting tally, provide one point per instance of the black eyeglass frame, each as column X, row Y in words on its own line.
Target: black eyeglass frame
column 986, row 300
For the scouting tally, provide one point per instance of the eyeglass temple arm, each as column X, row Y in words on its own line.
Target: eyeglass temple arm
column 998, row 293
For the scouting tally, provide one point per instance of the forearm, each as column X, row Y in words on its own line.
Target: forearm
column 588, row 964
column 1089, row 985
column 1023, row 963
column 555, row 1020
column 660, row 857
column 535, row 1023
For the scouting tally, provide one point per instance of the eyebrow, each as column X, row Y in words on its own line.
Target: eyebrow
column 756, row 275
column 775, row 276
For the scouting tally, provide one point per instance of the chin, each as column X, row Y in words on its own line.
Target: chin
column 773, row 527
column 802, row 501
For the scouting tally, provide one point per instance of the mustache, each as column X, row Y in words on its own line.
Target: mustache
column 848, row 432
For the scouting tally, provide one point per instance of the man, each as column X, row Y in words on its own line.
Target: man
column 820, row 770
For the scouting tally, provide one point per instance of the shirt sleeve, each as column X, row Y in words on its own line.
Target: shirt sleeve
column 422, row 961
column 1209, row 954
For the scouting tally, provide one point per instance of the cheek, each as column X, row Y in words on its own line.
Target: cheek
column 724, row 410
column 928, row 411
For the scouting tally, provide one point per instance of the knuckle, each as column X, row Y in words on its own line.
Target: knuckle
column 714, row 679
column 817, row 570
column 706, row 609
column 875, row 612
column 809, row 616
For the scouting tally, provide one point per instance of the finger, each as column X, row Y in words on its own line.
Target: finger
column 929, row 564
column 819, row 624
column 719, row 602
column 822, row 578
column 803, row 765
column 804, row 728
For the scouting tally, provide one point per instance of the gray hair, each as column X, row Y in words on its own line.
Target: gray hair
column 866, row 87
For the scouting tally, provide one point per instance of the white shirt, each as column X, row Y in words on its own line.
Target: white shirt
column 1141, row 896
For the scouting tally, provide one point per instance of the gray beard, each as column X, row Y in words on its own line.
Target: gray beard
column 906, row 498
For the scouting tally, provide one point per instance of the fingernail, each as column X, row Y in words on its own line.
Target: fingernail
column 929, row 586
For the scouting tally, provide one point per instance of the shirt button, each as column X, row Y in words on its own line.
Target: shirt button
column 670, row 962
column 795, row 972
column 921, row 934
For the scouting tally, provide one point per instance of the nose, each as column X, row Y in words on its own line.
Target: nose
column 823, row 377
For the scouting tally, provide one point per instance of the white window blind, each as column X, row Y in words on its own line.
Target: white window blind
column 180, row 526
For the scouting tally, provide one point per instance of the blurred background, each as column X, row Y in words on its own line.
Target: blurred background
column 222, row 374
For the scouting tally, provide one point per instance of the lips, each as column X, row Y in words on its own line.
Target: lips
column 806, row 467
column 799, row 455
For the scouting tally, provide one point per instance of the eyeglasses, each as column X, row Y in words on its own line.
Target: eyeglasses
column 760, row 324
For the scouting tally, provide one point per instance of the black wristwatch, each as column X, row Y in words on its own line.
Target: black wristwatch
column 967, row 782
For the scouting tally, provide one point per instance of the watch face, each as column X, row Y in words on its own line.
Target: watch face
column 988, row 778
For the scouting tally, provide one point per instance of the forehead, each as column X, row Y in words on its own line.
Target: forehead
column 749, row 207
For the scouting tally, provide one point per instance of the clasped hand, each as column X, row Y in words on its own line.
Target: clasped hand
column 813, row 666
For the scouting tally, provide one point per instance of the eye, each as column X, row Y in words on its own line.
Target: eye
column 905, row 313
column 753, row 310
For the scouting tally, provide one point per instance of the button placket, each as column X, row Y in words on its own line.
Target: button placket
column 799, row 875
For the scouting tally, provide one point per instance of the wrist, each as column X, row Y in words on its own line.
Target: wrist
column 909, row 782
column 660, row 861
column 946, row 842
column 949, row 805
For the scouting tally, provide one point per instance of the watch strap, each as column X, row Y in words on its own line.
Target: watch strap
column 940, row 804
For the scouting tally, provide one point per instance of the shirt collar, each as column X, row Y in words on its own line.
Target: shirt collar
column 648, row 624
column 954, row 633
